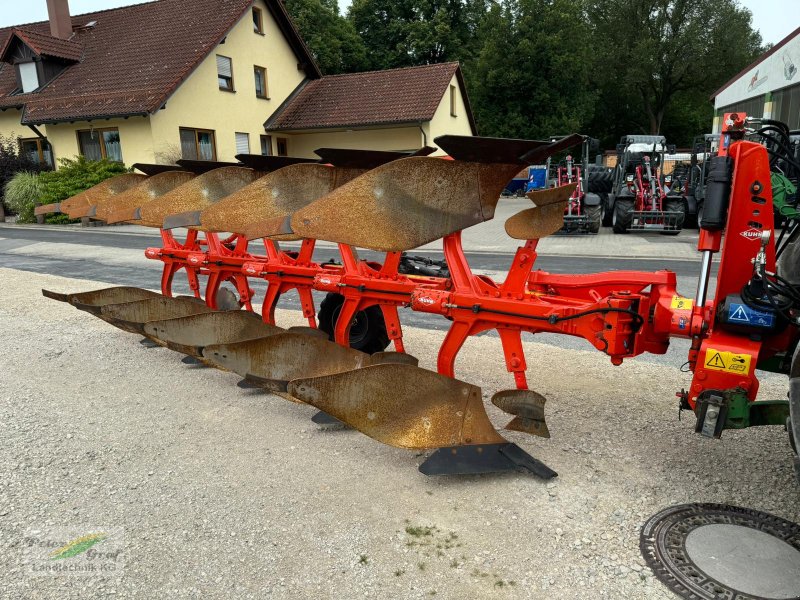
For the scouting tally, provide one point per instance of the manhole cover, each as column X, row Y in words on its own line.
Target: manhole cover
column 715, row 552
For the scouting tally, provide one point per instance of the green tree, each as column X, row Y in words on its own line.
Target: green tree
column 532, row 77
column 660, row 58
column 402, row 33
column 332, row 39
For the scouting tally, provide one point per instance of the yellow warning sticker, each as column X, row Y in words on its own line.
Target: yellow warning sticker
column 719, row 360
column 681, row 303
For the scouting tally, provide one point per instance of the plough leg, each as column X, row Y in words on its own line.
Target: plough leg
column 456, row 336
column 344, row 321
column 270, row 303
column 307, row 304
column 212, row 289
column 511, row 340
column 167, row 276
column 194, row 282
column 393, row 329
column 245, row 292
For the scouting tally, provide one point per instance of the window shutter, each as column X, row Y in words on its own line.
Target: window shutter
column 188, row 144
column 224, row 66
column 242, row 143
column 29, row 76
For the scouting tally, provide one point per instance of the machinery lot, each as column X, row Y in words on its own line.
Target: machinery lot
column 226, row 493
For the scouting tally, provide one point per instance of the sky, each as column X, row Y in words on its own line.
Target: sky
column 775, row 19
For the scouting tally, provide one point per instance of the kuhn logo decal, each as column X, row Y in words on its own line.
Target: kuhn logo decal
column 324, row 281
column 751, row 234
column 426, row 300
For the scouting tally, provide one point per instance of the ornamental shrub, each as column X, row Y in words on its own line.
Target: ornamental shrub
column 75, row 175
column 21, row 193
column 12, row 161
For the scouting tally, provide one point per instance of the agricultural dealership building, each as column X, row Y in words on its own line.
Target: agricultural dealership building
column 205, row 79
column 770, row 87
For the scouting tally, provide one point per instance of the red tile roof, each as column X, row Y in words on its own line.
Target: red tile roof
column 45, row 44
column 133, row 58
column 409, row 95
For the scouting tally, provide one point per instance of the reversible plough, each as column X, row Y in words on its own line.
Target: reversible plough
column 392, row 203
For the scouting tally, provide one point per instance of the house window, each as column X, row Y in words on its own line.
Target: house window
column 38, row 150
column 453, row 101
column 198, row 144
column 225, row 73
column 266, row 145
column 242, row 143
column 258, row 21
column 260, row 73
column 99, row 144
column 283, row 147
column 29, row 76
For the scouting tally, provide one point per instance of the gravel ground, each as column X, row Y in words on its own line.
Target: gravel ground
column 224, row 493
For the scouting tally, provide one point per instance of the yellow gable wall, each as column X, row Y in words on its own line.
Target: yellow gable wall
column 443, row 122
column 401, row 138
column 199, row 103
column 10, row 125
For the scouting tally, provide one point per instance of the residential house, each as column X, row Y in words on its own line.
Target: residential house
column 207, row 80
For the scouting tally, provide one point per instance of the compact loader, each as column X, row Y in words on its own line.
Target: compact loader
column 638, row 200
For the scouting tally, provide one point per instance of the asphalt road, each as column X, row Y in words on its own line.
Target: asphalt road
column 116, row 256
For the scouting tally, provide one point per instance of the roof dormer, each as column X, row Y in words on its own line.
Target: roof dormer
column 38, row 57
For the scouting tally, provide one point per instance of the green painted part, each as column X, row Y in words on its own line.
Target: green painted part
column 742, row 413
column 782, row 189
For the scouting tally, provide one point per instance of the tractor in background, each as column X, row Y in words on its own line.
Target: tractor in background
column 689, row 179
column 638, row 201
column 584, row 210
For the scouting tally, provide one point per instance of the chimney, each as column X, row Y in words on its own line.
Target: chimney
column 60, row 21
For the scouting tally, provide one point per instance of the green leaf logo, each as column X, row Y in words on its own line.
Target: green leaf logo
column 78, row 546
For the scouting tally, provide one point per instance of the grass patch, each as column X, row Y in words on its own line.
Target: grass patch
column 420, row 531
